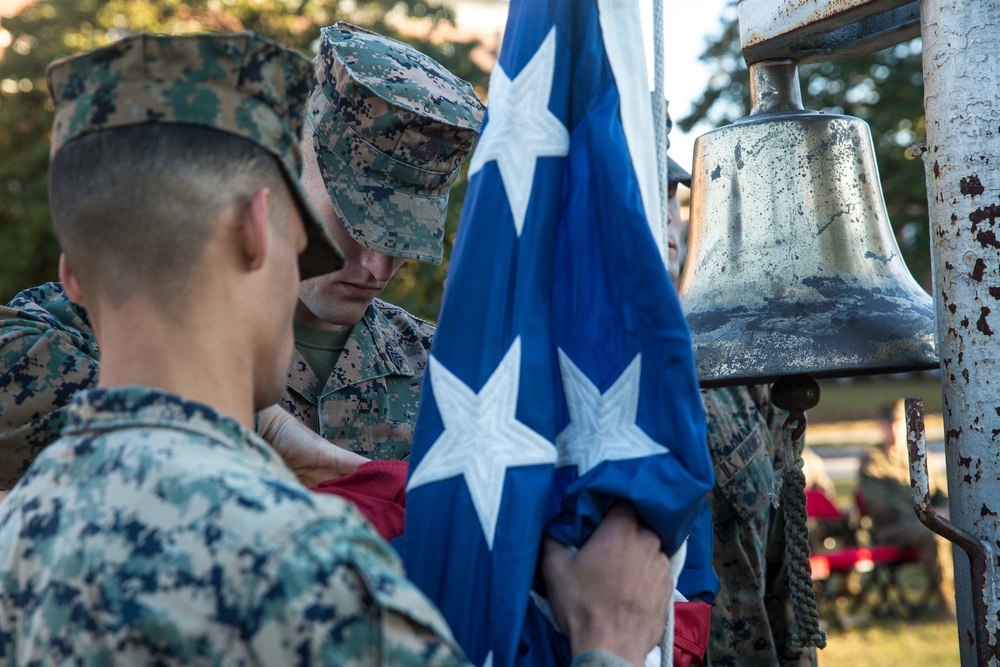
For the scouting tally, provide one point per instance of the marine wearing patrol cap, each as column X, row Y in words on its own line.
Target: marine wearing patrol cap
column 240, row 83
column 391, row 128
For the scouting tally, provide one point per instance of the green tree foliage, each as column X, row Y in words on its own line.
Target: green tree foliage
column 51, row 29
column 885, row 89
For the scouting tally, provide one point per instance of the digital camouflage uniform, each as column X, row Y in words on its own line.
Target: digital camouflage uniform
column 752, row 619
column 369, row 403
column 399, row 141
column 157, row 530
column 47, row 353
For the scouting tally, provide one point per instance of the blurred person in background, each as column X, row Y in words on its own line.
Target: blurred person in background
column 885, row 493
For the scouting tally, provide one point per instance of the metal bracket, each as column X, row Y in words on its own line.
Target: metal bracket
column 979, row 552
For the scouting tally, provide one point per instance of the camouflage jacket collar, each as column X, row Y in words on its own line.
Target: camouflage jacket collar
column 49, row 304
column 134, row 406
column 374, row 350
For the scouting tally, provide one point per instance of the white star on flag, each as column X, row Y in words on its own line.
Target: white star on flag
column 602, row 427
column 481, row 438
column 520, row 128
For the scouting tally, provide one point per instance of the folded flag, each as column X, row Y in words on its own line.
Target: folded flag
column 561, row 378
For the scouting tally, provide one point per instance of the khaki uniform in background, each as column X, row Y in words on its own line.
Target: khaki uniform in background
column 884, row 486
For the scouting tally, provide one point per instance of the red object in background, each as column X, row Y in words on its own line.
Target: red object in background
column 378, row 489
column 821, row 506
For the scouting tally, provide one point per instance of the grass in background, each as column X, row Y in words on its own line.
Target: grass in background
column 914, row 644
column 864, row 397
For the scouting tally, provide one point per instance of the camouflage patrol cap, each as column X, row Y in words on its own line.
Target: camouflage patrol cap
column 239, row 83
column 391, row 128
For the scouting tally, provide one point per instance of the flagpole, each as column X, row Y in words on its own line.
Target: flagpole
column 660, row 116
column 660, row 132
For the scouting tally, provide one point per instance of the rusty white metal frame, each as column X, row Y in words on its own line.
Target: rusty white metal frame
column 961, row 46
column 813, row 30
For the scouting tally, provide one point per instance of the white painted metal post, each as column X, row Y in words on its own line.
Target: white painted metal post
column 961, row 59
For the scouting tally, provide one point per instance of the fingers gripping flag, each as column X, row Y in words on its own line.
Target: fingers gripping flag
column 561, row 377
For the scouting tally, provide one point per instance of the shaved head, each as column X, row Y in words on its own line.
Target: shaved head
column 140, row 221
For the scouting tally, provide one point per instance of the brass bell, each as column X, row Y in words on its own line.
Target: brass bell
column 792, row 266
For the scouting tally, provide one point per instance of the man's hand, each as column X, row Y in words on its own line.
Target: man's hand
column 612, row 594
column 312, row 458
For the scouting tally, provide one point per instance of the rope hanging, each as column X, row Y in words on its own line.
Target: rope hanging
column 790, row 484
column 662, row 141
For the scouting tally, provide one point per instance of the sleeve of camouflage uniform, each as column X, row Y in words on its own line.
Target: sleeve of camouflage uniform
column 47, row 354
column 360, row 607
column 599, row 659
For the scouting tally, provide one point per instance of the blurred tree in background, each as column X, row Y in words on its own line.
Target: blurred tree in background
column 51, row 29
column 885, row 89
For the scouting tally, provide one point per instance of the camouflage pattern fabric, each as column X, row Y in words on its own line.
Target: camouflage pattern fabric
column 752, row 619
column 157, row 530
column 369, row 404
column 391, row 129
column 47, row 353
column 238, row 83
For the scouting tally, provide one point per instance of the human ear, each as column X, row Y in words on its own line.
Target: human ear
column 254, row 229
column 70, row 284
